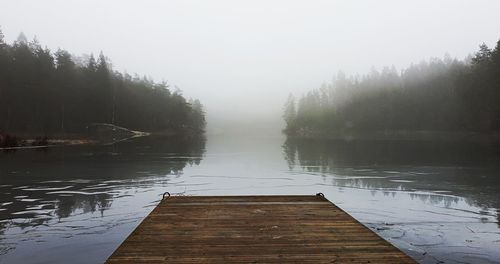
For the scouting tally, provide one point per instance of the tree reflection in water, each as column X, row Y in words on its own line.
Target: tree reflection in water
column 434, row 172
column 40, row 189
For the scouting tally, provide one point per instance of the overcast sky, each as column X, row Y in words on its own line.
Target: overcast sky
column 244, row 57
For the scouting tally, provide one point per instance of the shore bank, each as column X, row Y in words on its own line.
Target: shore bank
column 100, row 134
column 387, row 135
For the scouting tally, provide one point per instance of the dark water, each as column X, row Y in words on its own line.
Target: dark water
column 436, row 201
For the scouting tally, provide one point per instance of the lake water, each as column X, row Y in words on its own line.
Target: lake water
column 438, row 202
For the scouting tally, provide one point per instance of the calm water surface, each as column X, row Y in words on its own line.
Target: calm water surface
column 439, row 202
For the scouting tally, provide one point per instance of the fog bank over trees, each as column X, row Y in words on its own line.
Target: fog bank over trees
column 44, row 92
column 435, row 95
column 243, row 58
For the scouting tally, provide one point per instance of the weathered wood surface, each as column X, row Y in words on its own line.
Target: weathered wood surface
column 253, row 229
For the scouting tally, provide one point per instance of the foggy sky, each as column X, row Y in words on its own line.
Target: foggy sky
column 242, row 58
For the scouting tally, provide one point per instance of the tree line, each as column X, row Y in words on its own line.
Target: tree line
column 436, row 95
column 52, row 93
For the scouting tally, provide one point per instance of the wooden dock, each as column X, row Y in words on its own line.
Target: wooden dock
column 253, row 229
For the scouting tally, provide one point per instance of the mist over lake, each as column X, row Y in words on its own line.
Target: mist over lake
column 76, row 204
column 388, row 110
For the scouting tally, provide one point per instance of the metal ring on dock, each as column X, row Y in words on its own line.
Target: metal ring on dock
column 166, row 193
column 320, row 194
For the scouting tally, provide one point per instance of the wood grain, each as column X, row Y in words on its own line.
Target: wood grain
column 253, row 229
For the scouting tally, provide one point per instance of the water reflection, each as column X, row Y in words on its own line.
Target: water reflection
column 467, row 170
column 66, row 190
column 437, row 200
column 329, row 153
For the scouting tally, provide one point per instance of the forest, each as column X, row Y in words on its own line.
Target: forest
column 446, row 95
column 48, row 93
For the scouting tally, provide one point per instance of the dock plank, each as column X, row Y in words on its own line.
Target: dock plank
column 253, row 229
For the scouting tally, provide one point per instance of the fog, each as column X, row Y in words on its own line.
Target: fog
column 243, row 58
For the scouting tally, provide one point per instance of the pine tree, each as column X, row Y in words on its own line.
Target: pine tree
column 290, row 113
column 22, row 39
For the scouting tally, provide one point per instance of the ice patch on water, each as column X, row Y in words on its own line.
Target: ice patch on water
column 76, row 192
column 29, row 200
column 48, row 188
column 50, row 181
column 401, row 181
column 20, row 187
column 46, row 212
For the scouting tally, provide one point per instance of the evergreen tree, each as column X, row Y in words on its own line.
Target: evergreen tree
column 290, row 113
column 47, row 94
column 436, row 95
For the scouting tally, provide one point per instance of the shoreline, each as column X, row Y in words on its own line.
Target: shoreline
column 423, row 135
column 81, row 139
column 28, row 143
